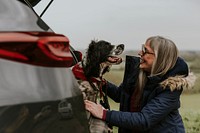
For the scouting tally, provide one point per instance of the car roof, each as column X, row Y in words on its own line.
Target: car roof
column 20, row 17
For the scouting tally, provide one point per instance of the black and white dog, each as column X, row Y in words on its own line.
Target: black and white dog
column 98, row 59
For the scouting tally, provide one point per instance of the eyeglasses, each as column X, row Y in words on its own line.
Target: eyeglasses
column 145, row 51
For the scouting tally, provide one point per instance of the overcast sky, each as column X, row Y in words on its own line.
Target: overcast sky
column 129, row 22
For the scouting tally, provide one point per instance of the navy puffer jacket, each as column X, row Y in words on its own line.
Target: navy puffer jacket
column 159, row 107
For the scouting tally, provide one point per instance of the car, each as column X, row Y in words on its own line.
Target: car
column 38, row 91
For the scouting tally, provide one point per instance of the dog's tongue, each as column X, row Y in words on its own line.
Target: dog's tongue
column 114, row 60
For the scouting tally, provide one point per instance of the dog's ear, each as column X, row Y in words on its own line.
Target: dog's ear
column 119, row 49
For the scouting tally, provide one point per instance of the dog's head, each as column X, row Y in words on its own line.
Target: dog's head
column 100, row 55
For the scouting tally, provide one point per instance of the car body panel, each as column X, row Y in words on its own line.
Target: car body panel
column 38, row 91
column 23, row 83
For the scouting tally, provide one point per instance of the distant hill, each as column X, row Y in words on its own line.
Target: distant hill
column 187, row 55
column 191, row 57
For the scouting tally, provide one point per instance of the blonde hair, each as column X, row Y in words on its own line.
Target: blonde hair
column 166, row 54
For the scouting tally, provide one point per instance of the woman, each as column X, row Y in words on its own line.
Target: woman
column 149, row 95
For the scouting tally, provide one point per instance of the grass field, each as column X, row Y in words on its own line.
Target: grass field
column 190, row 105
column 190, row 111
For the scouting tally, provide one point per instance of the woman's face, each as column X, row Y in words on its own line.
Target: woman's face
column 147, row 57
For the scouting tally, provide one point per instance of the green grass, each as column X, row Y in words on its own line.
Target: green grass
column 190, row 102
column 190, row 112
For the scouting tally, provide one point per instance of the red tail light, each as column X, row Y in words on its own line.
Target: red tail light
column 56, row 48
column 12, row 55
column 44, row 49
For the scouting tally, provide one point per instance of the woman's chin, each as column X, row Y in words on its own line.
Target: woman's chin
column 142, row 66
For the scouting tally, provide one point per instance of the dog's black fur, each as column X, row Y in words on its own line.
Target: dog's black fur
column 97, row 53
column 98, row 59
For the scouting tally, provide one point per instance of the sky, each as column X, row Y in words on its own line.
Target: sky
column 129, row 22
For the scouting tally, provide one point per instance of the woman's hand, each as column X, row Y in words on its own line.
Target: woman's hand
column 95, row 109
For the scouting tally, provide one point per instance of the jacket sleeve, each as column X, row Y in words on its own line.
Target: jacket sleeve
column 113, row 91
column 151, row 114
column 129, row 80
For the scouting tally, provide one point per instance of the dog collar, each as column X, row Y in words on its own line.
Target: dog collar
column 79, row 73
